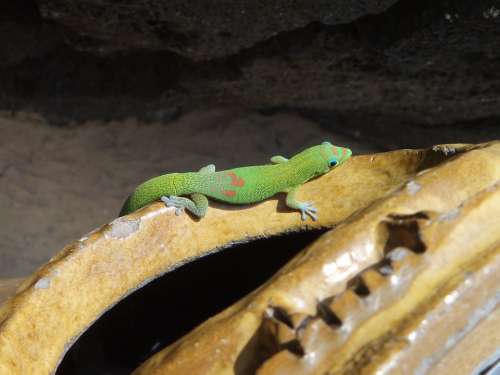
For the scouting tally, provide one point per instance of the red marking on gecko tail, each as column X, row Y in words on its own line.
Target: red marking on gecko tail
column 235, row 180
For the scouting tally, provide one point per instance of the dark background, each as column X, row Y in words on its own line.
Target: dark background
column 97, row 96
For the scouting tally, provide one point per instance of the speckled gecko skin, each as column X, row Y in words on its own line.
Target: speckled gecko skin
column 240, row 185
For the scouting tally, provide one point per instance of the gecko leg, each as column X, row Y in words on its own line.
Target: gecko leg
column 306, row 208
column 278, row 159
column 207, row 169
column 197, row 205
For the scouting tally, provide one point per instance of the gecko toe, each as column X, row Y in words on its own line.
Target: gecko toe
column 309, row 211
column 307, row 208
column 172, row 201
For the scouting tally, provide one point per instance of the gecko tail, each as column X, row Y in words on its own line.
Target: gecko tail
column 126, row 208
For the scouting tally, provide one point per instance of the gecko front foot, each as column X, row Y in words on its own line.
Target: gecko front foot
column 173, row 201
column 306, row 208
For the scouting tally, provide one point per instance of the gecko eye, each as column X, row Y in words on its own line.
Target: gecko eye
column 333, row 163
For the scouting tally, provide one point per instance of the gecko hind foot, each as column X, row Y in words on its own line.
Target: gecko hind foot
column 306, row 208
column 174, row 201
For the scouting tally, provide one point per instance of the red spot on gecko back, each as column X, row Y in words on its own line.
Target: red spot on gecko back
column 235, row 180
column 229, row 193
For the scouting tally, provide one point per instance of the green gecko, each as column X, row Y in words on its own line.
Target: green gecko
column 240, row 185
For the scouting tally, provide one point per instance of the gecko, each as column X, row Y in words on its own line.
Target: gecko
column 242, row 185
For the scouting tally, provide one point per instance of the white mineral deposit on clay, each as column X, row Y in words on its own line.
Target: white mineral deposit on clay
column 413, row 187
column 398, row 254
column 394, row 280
column 450, row 298
column 43, row 283
column 412, row 336
column 122, row 228
column 344, row 261
column 447, row 150
column 450, row 215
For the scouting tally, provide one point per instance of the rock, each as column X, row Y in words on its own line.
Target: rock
column 22, row 35
column 411, row 254
column 408, row 76
column 408, row 285
column 198, row 30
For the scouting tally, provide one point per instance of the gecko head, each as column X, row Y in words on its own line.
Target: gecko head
column 334, row 155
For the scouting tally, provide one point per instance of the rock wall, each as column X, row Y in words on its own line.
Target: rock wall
column 406, row 73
